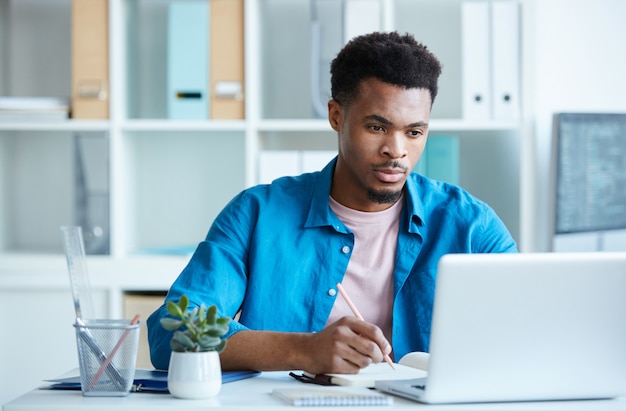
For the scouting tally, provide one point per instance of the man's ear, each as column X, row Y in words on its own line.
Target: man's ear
column 335, row 114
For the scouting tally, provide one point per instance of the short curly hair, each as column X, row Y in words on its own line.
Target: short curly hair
column 390, row 57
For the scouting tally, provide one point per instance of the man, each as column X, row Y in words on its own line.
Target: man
column 276, row 252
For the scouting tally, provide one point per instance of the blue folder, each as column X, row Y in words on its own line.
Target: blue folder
column 147, row 380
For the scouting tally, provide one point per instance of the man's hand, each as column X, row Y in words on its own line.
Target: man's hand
column 345, row 347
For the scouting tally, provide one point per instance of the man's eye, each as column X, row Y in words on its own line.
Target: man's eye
column 377, row 128
column 415, row 133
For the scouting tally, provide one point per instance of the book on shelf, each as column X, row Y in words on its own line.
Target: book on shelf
column 33, row 108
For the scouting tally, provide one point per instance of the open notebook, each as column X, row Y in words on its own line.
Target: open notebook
column 520, row 327
column 368, row 376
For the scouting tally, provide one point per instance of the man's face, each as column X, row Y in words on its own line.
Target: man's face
column 382, row 135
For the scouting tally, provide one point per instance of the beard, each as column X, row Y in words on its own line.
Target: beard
column 384, row 196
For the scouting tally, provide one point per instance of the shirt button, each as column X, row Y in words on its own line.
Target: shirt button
column 345, row 249
column 332, row 292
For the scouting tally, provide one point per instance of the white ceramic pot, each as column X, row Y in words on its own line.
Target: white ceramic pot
column 194, row 375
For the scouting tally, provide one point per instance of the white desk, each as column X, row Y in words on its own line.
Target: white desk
column 254, row 394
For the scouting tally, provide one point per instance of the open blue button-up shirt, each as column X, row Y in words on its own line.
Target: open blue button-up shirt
column 276, row 252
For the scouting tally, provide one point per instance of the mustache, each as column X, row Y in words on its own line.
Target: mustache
column 390, row 164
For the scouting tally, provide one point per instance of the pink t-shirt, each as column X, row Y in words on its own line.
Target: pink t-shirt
column 369, row 276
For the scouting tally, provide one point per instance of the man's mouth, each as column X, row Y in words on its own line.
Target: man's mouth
column 390, row 174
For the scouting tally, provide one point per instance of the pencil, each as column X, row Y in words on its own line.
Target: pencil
column 358, row 315
column 106, row 363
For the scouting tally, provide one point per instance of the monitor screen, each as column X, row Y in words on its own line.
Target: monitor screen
column 589, row 172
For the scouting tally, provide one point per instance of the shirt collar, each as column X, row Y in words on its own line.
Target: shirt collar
column 414, row 208
column 320, row 213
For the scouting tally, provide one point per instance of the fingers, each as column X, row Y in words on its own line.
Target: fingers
column 368, row 339
column 349, row 345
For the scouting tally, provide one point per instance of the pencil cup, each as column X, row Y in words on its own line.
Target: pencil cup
column 107, row 352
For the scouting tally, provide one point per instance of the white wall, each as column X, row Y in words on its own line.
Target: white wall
column 576, row 62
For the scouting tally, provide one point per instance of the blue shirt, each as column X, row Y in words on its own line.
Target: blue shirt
column 276, row 252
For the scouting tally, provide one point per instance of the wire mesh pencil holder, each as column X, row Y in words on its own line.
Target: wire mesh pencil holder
column 107, row 352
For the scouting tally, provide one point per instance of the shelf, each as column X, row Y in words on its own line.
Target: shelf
column 168, row 179
column 173, row 125
column 22, row 270
column 68, row 125
column 237, row 125
column 435, row 125
column 294, row 125
column 464, row 125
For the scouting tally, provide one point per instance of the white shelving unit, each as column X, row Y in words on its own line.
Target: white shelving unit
column 169, row 179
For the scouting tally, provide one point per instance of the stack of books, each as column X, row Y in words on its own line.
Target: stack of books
column 33, row 108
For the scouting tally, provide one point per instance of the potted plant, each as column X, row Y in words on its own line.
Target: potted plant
column 195, row 369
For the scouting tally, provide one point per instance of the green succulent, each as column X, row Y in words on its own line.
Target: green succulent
column 196, row 330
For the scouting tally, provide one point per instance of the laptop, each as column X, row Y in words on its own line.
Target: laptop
column 525, row 327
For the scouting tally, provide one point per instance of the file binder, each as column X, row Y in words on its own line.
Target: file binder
column 187, row 60
column 441, row 159
column 92, row 192
column 475, row 61
column 315, row 160
column 327, row 38
column 278, row 163
column 90, row 59
column 227, row 59
column 421, row 167
column 490, row 60
column 505, row 43
column 361, row 17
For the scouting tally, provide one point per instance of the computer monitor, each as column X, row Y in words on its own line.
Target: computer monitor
column 589, row 172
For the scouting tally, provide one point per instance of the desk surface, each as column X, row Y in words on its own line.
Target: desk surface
column 254, row 394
